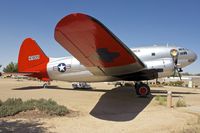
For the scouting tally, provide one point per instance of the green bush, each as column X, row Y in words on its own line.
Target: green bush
column 161, row 100
column 13, row 106
column 176, row 83
column 52, row 108
column 31, row 102
column 29, row 105
column 61, row 110
column 128, row 84
column 157, row 97
column 181, row 103
column 1, row 102
column 13, row 101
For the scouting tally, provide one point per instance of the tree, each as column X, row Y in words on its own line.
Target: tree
column 186, row 74
column 198, row 74
column 0, row 72
column 11, row 67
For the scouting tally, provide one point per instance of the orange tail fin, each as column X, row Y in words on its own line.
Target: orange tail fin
column 32, row 59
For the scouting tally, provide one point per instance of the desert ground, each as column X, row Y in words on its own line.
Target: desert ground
column 103, row 109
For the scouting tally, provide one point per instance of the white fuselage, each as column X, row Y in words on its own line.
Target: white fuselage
column 154, row 57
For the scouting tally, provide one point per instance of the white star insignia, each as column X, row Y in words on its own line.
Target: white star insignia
column 62, row 67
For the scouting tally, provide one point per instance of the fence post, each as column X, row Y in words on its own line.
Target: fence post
column 169, row 99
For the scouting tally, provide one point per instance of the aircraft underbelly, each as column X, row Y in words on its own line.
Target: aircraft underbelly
column 84, row 76
column 70, row 70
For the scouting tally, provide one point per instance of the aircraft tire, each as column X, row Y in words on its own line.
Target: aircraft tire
column 142, row 89
column 74, row 86
column 45, row 85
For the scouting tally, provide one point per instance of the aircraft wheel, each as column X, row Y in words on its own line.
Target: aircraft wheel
column 118, row 84
column 74, row 86
column 45, row 85
column 142, row 89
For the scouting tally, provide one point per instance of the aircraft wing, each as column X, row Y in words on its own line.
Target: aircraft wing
column 97, row 48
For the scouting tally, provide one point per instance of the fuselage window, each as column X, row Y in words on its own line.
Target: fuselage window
column 153, row 54
column 136, row 50
column 183, row 53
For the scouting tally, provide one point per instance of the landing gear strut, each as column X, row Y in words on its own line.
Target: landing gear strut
column 142, row 89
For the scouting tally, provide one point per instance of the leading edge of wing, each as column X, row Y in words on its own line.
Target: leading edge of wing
column 95, row 46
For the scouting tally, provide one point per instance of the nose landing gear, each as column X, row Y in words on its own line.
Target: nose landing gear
column 142, row 89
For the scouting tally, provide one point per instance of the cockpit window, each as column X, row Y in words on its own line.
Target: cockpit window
column 153, row 54
column 183, row 53
column 181, row 49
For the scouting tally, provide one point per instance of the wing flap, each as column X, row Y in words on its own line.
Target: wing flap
column 95, row 46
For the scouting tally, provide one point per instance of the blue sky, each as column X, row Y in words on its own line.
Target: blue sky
column 135, row 22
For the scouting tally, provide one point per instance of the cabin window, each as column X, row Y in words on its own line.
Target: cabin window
column 183, row 53
column 153, row 54
column 136, row 50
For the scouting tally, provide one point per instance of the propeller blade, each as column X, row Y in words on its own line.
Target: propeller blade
column 179, row 74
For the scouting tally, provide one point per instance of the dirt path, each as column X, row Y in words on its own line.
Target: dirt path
column 103, row 109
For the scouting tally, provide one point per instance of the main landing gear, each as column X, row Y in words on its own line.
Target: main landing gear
column 142, row 89
column 81, row 85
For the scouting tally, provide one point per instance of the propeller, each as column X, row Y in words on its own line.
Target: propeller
column 174, row 53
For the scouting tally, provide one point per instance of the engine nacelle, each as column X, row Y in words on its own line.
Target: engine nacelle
column 165, row 64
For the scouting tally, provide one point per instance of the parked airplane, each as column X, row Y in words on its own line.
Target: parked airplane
column 100, row 56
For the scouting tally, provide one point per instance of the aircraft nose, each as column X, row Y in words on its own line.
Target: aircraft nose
column 193, row 57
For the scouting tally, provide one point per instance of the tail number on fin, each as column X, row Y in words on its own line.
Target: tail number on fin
column 33, row 57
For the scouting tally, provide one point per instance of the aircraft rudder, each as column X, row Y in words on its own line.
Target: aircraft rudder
column 30, row 56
